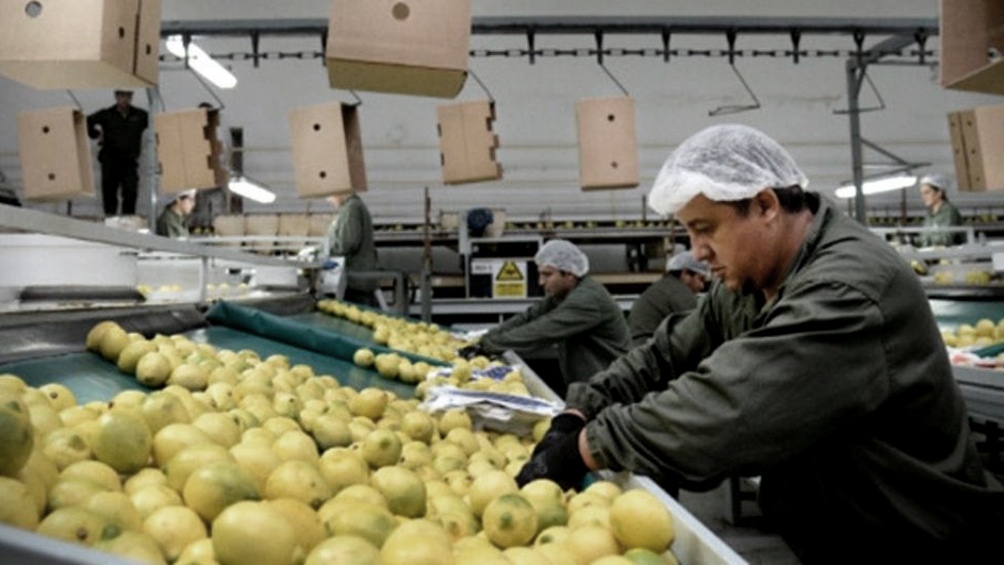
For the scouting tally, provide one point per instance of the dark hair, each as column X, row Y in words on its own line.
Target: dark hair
column 791, row 198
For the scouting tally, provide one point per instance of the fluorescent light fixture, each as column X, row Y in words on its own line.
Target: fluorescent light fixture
column 200, row 62
column 248, row 188
column 878, row 185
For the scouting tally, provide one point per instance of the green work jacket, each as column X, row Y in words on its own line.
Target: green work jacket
column 838, row 393
column 350, row 235
column 947, row 216
column 587, row 327
column 171, row 224
column 668, row 295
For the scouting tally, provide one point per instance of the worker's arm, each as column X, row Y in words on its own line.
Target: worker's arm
column 346, row 234
column 574, row 315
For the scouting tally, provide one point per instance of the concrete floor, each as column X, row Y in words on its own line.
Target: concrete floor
column 747, row 537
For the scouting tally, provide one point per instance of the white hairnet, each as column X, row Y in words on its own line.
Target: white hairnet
column 686, row 261
column 563, row 255
column 937, row 180
column 726, row 162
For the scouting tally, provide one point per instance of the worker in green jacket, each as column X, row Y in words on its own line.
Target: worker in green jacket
column 350, row 235
column 814, row 362
column 577, row 315
column 940, row 213
column 173, row 220
column 675, row 294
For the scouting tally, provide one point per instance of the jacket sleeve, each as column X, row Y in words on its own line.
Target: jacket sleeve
column 814, row 368
column 576, row 314
column 347, row 233
column 94, row 120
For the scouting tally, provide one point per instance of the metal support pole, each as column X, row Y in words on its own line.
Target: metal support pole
column 854, row 79
column 426, row 275
column 156, row 106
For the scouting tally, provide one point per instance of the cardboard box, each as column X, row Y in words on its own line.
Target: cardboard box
column 319, row 224
column 466, row 142
column 959, row 151
column 66, row 44
column 55, row 154
column 417, row 47
column 294, row 226
column 231, row 225
column 983, row 143
column 188, row 150
column 608, row 147
column 261, row 225
column 971, row 33
column 327, row 150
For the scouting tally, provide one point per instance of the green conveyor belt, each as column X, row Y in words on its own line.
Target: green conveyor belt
column 91, row 378
column 951, row 313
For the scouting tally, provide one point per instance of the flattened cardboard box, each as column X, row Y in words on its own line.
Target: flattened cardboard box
column 188, row 150
column 983, row 141
column 55, row 154
column 969, row 30
column 327, row 150
column 466, row 142
column 608, row 148
column 262, row 225
column 57, row 44
column 959, row 151
column 417, row 47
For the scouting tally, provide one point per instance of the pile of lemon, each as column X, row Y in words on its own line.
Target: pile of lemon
column 981, row 334
column 271, row 463
column 460, row 374
column 420, row 338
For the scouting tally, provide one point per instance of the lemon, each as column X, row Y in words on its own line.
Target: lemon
column 153, row 368
column 213, row 487
column 189, row 376
column 76, row 524
column 525, row 556
column 342, row 468
column 116, row 508
column 44, row 418
column 220, row 428
column 613, row 560
column 459, row 524
column 487, row 487
column 199, row 552
column 344, row 549
column 403, row 489
column 417, row 542
column 361, row 493
column 60, row 397
column 94, row 471
column 296, row 445
column 17, row 506
column 113, row 341
column 591, row 542
column 93, row 339
column 148, row 476
column 76, row 415
column 552, row 535
column 190, row 459
column 36, row 489
column 304, row 519
column 149, row 499
column 133, row 545
column 370, row 402
column 509, row 520
column 596, row 515
column 64, row 447
column 172, row 438
column 174, row 528
column 161, row 409
column 123, row 441
column 16, row 434
column 639, row 519
column 72, row 492
column 258, row 460
column 642, row 556
column 558, row 554
column 381, row 448
column 372, row 522
column 131, row 354
column 300, row 480
column 418, row 425
column 253, row 532
column 454, row 418
column 363, row 357
column 607, row 489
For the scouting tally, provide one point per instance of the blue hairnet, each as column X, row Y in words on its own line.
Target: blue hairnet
column 563, row 255
column 724, row 163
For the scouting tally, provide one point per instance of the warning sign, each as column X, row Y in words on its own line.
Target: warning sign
column 509, row 279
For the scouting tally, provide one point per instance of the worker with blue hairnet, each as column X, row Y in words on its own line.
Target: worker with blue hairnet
column 674, row 295
column 577, row 315
column 940, row 213
column 814, row 362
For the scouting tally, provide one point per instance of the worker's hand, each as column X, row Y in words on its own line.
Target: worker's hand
column 471, row 351
column 560, row 463
column 566, row 423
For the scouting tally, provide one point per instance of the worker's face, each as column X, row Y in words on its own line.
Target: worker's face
column 123, row 100
column 556, row 283
column 694, row 281
column 930, row 195
column 738, row 249
column 186, row 205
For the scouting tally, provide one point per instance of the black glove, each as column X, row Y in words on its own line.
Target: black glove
column 561, row 463
column 561, row 425
column 471, row 351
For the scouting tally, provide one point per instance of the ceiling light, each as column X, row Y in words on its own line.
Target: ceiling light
column 254, row 190
column 875, row 186
column 200, row 62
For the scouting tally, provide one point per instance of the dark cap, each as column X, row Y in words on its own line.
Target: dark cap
column 123, row 92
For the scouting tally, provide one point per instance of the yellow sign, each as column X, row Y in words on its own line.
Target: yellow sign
column 509, row 272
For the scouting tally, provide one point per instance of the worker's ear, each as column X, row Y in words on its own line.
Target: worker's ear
column 765, row 203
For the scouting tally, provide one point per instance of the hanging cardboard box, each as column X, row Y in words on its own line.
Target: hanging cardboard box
column 983, row 143
column 66, row 44
column 415, row 47
column 189, row 151
column 971, row 33
column 959, row 151
column 608, row 148
column 466, row 142
column 327, row 150
column 55, row 154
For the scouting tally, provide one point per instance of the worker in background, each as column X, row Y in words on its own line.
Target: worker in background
column 173, row 221
column 813, row 362
column 119, row 131
column 350, row 235
column 577, row 315
column 940, row 213
column 674, row 293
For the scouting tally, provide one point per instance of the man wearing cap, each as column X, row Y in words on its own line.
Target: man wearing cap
column 119, row 131
column 577, row 315
column 813, row 362
column 350, row 235
column 674, row 293
column 172, row 222
column 940, row 213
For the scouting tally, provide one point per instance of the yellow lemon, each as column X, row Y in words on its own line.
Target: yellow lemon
column 17, row 436
column 174, row 528
column 381, row 448
column 17, row 507
column 304, row 519
column 403, row 489
column 116, row 508
column 213, row 487
column 344, row 549
column 60, row 397
column 417, row 542
column 253, row 532
column 123, row 441
column 133, row 545
column 76, row 524
column 95, row 472
column 487, row 487
column 591, row 542
column 509, row 520
column 639, row 519
column 372, row 522
column 300, row 480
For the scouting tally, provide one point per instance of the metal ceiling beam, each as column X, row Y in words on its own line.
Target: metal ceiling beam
column 560, row 25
